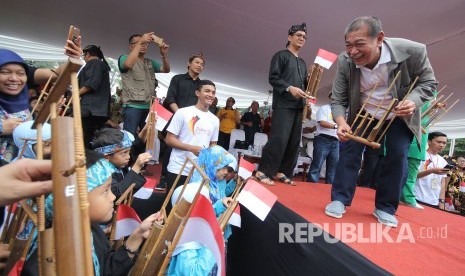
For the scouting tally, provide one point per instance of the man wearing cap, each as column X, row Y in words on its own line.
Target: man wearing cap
column 94, row 83
column 288, row 77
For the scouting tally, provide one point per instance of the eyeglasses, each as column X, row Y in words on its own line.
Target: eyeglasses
column 300, row 35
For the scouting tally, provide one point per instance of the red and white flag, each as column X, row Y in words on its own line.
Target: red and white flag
column 203, row 228
column 462, row 187
column 163, row 115
column 127, row 221
column 449, row 206
column 245, row 168
column 17, row 268
column 235, row 219
column 258, row 199
column 325, row 58
column 146, row 191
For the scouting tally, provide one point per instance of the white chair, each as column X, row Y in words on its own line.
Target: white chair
column 236, row 134
column 260, row 139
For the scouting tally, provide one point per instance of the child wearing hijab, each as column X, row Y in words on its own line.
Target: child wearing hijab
column 216, row 162
column 13, row 101
column 106, row 261
column 24, row 134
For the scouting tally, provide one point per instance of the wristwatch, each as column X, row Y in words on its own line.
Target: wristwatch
column 288, row 89
column 335, row 126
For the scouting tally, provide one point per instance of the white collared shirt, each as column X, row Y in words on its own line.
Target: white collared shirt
column 377, row 77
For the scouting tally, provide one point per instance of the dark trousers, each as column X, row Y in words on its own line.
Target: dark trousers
column 281, row 151
column 224, row 139
column 89, row 126
column 392, row 174
column 133, row 119
column 170, row 179
column 325, row 148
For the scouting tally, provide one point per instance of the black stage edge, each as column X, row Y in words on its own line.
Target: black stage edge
column 254, row 249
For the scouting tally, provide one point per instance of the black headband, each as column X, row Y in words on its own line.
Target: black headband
column 295, row 28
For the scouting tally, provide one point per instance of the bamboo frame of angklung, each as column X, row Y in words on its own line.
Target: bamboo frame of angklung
column 71, row 215
column 125, row 198
column 205, row 181
column 151, row 130
column 223, row 220
column 146, row 252
column 436, row 111
column 157, row 249
column 42, row 96
column 313, row 81
column 364, row 120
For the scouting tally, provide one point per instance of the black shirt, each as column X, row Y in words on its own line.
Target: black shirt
column 287, row 70
column 96, row 102
column 181, row 91
column 250, row 131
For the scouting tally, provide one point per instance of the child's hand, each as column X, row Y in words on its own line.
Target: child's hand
column 147, row 225
column 227, row 201
column 141, row 160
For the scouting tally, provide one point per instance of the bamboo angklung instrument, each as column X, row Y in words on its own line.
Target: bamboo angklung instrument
column 42, row 96
column 223, row 220
column 151, row 131
column 147, row 249
column 313, row 81
column 169, row 247
column 71, row 224
column 364, row 131
column 156, row 247
column 125, row 198
column 436, row 111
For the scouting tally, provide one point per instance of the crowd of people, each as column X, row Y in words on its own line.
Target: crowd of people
column 411, row 172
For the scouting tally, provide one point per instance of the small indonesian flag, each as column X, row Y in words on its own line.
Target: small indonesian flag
column 325, row 58
column 17, row 268
column 146, row 191
column 203, row 228
column 235, row 219
column 258, row 199
column 462, row 187
column 127, row 221
column 245, row 168
column 163, row 115
column 449, row 206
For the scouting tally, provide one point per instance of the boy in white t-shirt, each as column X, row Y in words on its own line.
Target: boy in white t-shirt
column 430, row 185
column 191, row 129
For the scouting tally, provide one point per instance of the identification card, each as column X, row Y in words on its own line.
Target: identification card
column 435, row 184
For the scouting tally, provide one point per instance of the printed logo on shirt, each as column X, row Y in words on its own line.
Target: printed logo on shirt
column 192, row 123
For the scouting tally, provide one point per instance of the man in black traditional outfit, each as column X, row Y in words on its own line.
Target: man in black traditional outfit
column 288, row 77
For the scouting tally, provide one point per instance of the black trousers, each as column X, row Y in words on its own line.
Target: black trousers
column 281, row 152
column 89, row 126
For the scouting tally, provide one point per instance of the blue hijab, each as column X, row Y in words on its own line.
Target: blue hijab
column 16, row 103
column 211, row 160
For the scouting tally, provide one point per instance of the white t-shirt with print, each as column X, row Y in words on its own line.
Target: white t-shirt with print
column 427, row 188
column 194, row 127
column 324, row 114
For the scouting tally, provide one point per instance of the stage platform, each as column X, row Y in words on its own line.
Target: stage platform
column 426, row 242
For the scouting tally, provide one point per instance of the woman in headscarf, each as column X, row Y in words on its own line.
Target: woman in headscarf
column 13, row 101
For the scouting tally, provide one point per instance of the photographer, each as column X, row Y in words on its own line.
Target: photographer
column 139, row 82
